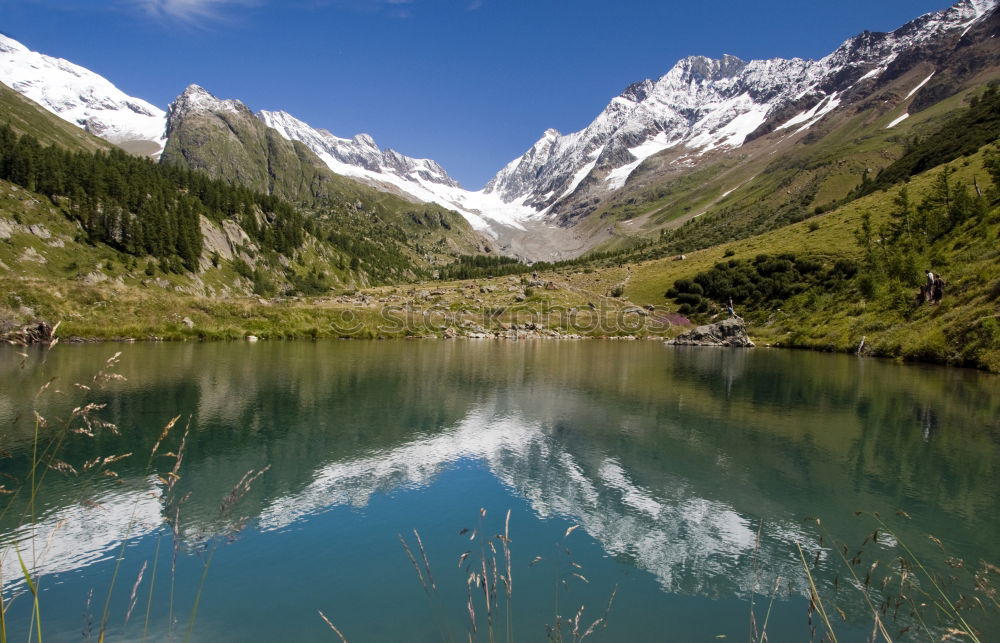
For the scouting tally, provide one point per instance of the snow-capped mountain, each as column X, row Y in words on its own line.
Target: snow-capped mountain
column 195, row 99
column 423, row 179
column 83, row 98
column 702, row 104
column 359, row 155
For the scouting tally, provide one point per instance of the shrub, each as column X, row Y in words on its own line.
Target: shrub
column 866, row 284
column 687, row 285
column 995, row 290
column 242, row 268
column 688, row 298
column 845, row 269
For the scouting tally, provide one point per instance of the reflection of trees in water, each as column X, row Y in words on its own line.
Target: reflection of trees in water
column 928, row 420
column 711, row 363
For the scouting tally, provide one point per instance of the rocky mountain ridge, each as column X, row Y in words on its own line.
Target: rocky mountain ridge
column 702, row 104
column 386, row 169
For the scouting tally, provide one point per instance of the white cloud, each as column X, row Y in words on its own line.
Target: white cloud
column 192, row 11
column 392, row 8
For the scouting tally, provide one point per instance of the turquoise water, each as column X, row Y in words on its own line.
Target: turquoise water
column 691, row 475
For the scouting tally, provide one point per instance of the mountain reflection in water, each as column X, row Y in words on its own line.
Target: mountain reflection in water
column 669, row 459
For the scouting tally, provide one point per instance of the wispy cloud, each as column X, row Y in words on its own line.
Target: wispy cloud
column 391, row 8
column 191, row 11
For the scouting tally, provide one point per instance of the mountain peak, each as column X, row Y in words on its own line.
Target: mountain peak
column 366, row 140
column 703, row 68
column 196, row 98
column 195, row 90
column 637, row 92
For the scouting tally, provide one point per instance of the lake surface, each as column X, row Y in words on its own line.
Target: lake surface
column 690, row 474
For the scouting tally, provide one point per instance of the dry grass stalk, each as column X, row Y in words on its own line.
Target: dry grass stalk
column 470, row 606
column 163, row 435
column 484, row 585
column 332, row 626
column 241, row 489
column 135, row 592
column 506, row 553
column 173, row 476
column 814, row 599
column 754, row 634
column 576, row 624
column 413, row 561
column 603, row 620
column 423, row 555
column 62, row 467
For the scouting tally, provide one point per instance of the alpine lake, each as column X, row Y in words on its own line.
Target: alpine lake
column 402, row 488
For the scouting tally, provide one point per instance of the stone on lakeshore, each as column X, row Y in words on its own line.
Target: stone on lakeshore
column 730, row 332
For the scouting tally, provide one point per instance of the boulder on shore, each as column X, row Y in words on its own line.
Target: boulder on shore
column 728, row 332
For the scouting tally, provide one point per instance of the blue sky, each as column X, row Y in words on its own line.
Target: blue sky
column 469, row 83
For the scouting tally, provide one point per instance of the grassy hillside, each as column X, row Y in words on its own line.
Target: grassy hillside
column 74, row 207
column 93, row 294
column 879, row 302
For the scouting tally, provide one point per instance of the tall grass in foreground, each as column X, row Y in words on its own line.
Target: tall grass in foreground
column 50, row 440
column 489, row 584
column 905, row 596
column 898, row 589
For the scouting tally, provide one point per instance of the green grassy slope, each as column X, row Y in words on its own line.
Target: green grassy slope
column 27, row 117
column 882, row 308
column 353, row 236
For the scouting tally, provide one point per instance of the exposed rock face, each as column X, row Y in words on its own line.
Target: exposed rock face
column 728, row 332
column 224, row 139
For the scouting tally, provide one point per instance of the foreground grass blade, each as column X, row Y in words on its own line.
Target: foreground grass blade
column 34, row 592
column 815, row 594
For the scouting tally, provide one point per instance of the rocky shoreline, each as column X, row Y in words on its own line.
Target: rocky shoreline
column 731, row 332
